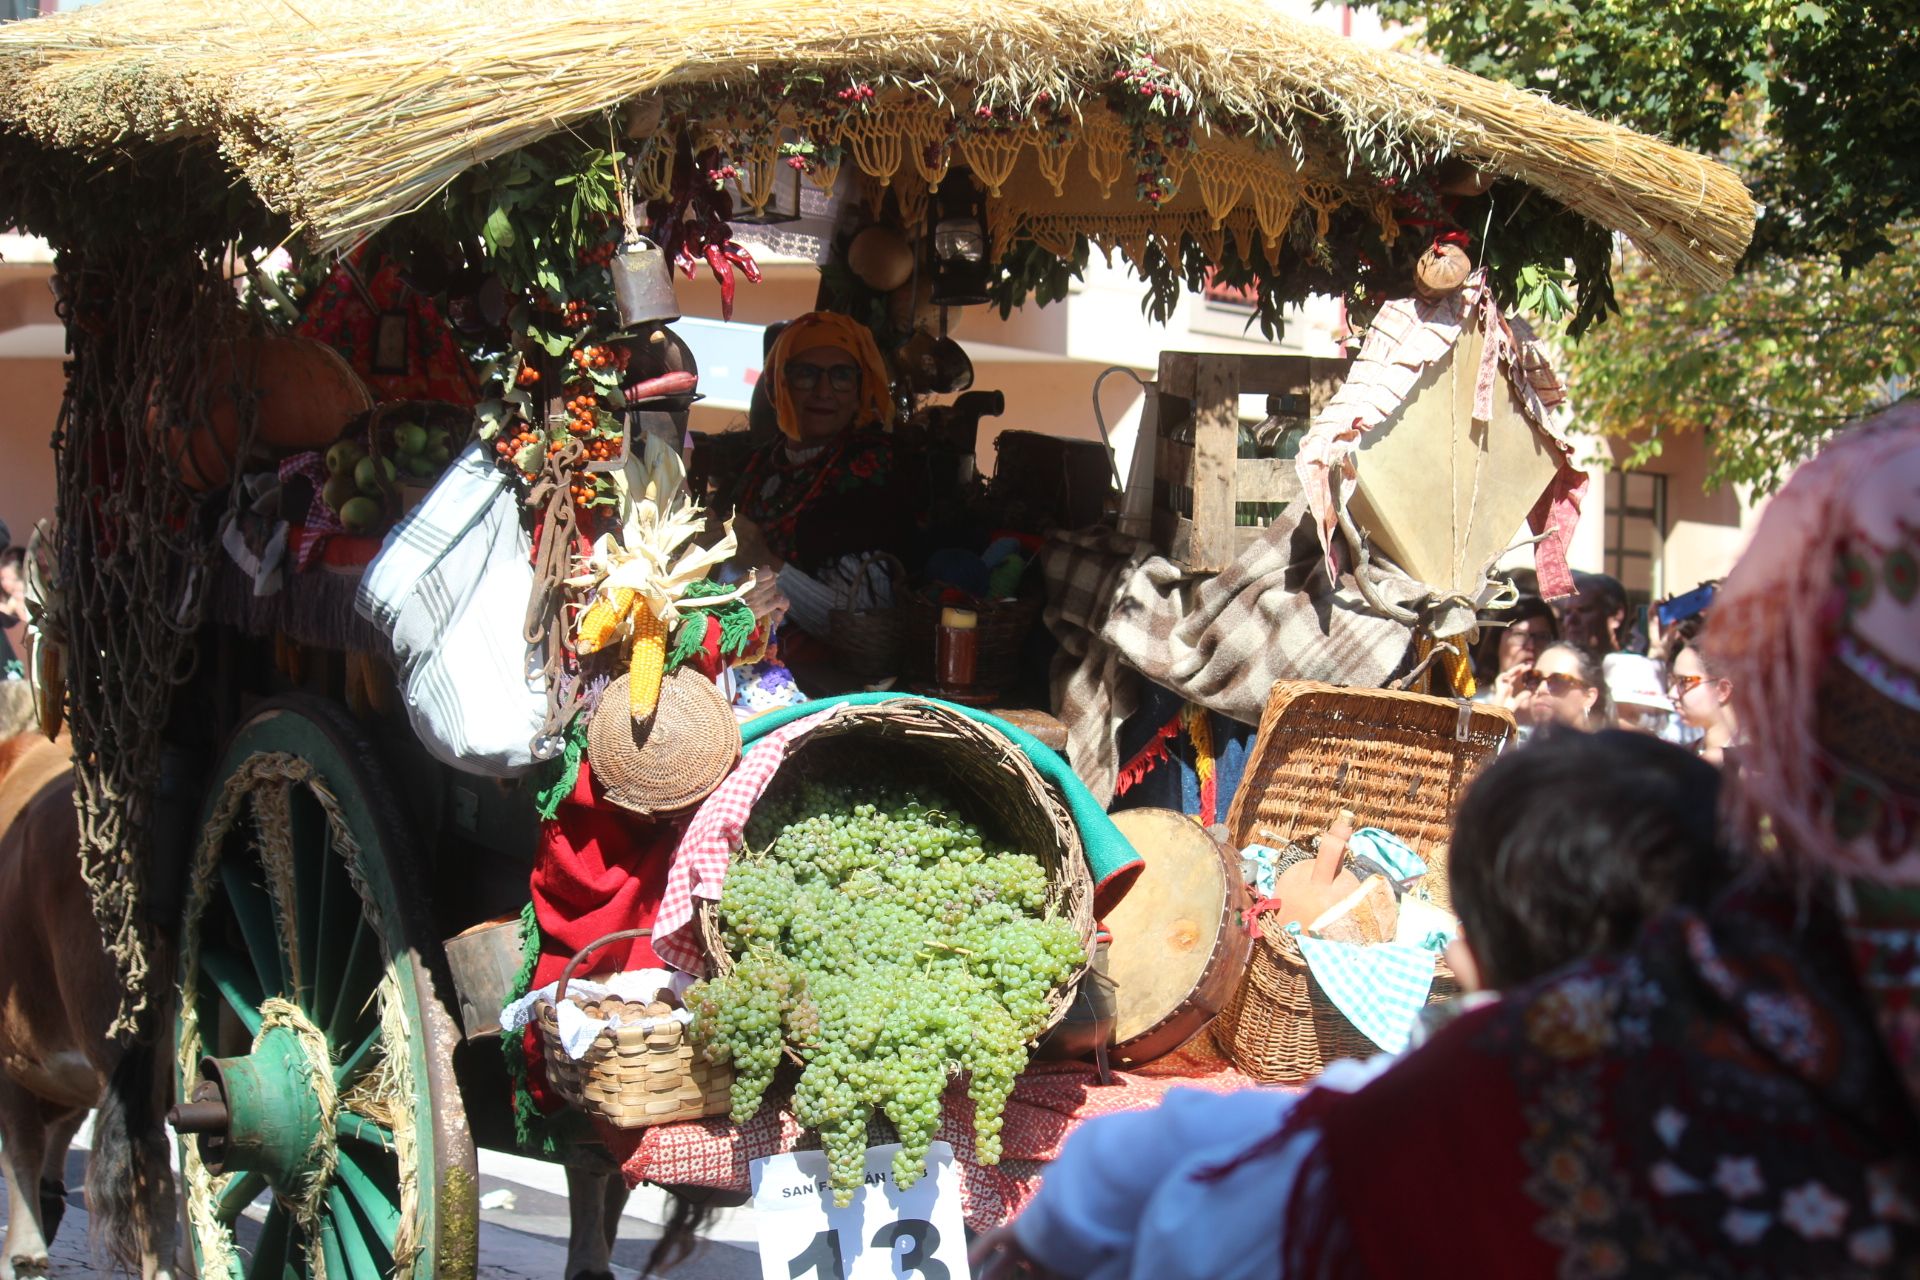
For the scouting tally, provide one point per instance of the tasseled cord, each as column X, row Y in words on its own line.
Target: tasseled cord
column 530, row 1129
column 1200, row 733
column 1149, row 757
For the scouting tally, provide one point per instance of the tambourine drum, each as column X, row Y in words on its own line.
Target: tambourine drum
column 1179, row 945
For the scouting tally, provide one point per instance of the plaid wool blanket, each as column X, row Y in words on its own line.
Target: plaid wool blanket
column 1123, row 614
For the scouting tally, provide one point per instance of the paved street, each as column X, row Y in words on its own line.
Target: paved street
column 523, row 1237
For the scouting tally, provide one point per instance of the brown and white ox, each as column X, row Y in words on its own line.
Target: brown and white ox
column 58, row 994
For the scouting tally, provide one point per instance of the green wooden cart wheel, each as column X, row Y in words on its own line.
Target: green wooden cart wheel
column 309, row 1033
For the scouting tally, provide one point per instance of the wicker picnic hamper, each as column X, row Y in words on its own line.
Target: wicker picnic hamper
column 1400, row 762
column 904, row 738
column 643, row 1070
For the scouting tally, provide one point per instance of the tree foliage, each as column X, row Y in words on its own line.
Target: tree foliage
column 1839, row 83
column 1812, row 103
column 1768, row 367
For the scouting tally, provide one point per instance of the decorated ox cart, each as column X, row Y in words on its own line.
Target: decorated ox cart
column 275, row 845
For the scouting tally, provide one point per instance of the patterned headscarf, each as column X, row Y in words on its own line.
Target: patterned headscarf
column 1823, row 602
column 826, row 329
column 1819, row 631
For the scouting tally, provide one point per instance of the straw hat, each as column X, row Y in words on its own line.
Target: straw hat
column 673, row 762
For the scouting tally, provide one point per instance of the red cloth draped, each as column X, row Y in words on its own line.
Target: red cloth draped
column 599, row 869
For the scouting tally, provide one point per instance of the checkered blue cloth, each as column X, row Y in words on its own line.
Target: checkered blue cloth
column 1380, row 988
column 1388, row 852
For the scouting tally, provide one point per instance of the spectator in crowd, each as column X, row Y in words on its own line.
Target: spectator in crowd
column 1637, row 686
column 13, row 602
column 1506, row 651
column 1564, row 686
column 1595, row 617
column 1704, row 697
column 1561, row 850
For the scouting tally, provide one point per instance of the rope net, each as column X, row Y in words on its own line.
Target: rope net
column 150, row 394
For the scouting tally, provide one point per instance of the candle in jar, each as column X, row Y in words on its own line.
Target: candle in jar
column 956, row 648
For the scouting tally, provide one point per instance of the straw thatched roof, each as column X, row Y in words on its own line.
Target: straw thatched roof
column 342, row 115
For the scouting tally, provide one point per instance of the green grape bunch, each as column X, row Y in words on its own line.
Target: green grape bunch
column 879, row 940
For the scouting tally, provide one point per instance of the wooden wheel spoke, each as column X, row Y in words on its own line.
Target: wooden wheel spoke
column 357, row 1061
column 353, row 1235
column 237, row 984
column 382, row 1214
column 313, row 873
column 271, row 1252
column 253, row 911
column 330, row 1248
column 241, row 1190
column 357, row 984
column 356, row 1128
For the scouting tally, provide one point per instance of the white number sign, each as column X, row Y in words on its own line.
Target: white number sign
column 887, row 1233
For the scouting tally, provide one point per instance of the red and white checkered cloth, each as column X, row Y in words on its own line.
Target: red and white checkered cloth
column 318, row 522
column 1049, row 1101
column 699, row 867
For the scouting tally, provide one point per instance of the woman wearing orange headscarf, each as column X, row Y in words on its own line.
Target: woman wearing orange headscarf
column 825, row 488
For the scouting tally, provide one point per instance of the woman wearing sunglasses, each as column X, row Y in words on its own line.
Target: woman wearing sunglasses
column 1704, row 699
column 1564, row 686
column 825, row 488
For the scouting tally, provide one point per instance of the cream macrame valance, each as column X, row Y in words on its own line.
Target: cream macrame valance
column 1044, row 180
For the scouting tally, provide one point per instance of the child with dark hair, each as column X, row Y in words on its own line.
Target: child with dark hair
column 1565, row 848
column 1562, row 850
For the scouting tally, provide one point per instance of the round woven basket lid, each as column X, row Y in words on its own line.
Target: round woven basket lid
column 675, row 761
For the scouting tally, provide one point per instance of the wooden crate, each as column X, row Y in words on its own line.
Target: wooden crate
column 1192, row 481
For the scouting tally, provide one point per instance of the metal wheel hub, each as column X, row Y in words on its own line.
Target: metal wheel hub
column 257, row 1113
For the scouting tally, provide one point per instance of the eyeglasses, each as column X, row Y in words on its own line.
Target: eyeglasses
column 805, row 377
column 1684, row 685
column 1559, row 684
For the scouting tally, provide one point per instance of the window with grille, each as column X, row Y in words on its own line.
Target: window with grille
column 1636, row 532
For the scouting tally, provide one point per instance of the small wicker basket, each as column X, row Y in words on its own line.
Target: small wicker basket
column 1003, row 626
column 1281, row 1028
column 1398, row 760
column 866, row 642
column 639, row 1071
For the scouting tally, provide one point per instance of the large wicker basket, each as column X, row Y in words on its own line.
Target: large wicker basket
column 1010, row 799
column 637, row 1072
column 1400, row 762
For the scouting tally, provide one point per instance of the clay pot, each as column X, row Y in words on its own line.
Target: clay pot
column 881, row 257
column 305, row 395
column 1441, row 270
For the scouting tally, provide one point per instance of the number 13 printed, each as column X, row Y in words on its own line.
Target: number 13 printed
column 821, row 1259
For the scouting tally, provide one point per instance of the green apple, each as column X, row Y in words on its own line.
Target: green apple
column 340, row 490
column 360, row 515
column 370, row 471
column 409, row 437
column 439, row 454
column 344, row 457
